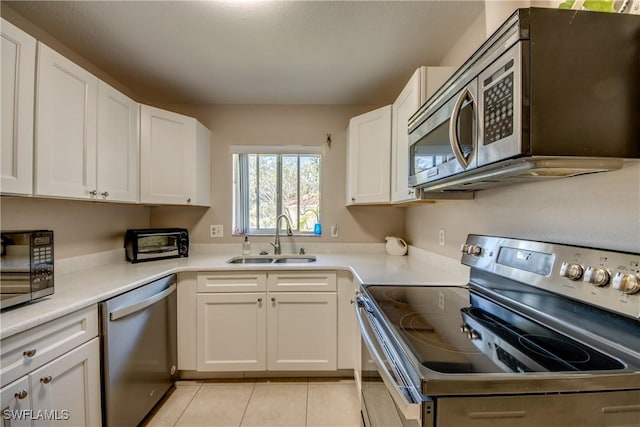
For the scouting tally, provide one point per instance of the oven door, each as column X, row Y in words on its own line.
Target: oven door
column 389, row 399
column 444, row 144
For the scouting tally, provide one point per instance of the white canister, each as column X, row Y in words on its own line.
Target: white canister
column 395, row 246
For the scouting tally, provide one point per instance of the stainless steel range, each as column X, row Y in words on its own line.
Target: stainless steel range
column 543, row 334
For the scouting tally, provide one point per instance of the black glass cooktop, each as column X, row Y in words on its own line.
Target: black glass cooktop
column 451, row 331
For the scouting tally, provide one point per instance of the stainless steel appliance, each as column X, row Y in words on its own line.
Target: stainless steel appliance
column 26, row 266
column 139, row 351
column 552, row 93
column 541, row 332
column 156, row 243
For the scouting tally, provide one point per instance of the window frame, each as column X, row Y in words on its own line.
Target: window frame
column 241, row 190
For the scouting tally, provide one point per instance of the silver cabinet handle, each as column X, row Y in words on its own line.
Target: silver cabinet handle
column 46, row 380
column 119, row 314
column 105, row 194
column 93, row 192
column 22, row 394
column 29, row 353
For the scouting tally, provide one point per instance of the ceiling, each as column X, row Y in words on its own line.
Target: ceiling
column 257, row 52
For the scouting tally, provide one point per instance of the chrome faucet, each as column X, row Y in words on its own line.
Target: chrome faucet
column 276, row 245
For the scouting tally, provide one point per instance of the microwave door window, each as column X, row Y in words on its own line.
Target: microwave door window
column 432, row 150
column 465, row 129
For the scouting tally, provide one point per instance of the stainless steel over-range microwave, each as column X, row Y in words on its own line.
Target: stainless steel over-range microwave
column 552, row 93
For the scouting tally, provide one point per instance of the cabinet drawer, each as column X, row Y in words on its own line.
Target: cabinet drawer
column 232, row 282
column 28, row 350
column 301, row 281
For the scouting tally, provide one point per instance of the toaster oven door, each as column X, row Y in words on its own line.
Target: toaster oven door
column 153, row 246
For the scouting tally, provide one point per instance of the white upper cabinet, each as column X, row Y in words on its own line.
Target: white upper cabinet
column 423, row 83
column 65, row 127
column 18, row 78
column 403, row 108
column 117, row 146
column 174, row 159
column 202, row 176
column 368, row 157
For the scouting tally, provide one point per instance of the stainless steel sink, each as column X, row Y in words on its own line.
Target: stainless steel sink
column 285, row 259
column 294, row 259
column 250, row 260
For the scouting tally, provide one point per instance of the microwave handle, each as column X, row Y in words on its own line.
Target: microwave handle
column 453, row 134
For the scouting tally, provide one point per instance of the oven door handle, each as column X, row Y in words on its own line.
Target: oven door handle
column 409, row 408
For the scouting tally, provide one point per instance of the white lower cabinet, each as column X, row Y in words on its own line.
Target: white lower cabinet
column 69, row 388
column 15, row 399
column 60, row 381
column 264, row 329
column 302, row 331
column 231, row 332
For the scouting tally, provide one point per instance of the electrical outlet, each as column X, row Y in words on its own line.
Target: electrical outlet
column 216, row 231
column 334, row 231
column 441, row 300
column 441, row 237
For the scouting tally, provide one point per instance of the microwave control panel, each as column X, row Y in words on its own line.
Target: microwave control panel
column 498, row 107
column 42, row 257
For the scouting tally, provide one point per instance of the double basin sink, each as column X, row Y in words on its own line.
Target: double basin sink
column 271, row 259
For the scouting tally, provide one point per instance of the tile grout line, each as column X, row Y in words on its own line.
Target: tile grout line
column 244, row 413
column 306, row 407
column 188, row 403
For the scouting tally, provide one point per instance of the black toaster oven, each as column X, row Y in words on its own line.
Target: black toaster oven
column 150, row 244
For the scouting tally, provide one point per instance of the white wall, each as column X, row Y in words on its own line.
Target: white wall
column 600, row 210
column 79, row 228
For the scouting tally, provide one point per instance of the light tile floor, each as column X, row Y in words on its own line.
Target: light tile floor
column 261, row 402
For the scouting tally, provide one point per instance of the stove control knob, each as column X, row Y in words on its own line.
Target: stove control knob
column 473, row 250
column 473, row 335
column 627, row 283
column 596, row 276
column 571, row 271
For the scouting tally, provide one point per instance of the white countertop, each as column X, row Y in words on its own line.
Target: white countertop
column 75, row 290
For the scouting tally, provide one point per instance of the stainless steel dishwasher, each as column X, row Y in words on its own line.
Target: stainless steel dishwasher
column 139, row 350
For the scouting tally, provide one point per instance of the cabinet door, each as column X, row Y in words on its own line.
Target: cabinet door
column 69, row 387
column 302, row 331
column 18, row 82
column 202, row 183
column 118, row 147
column 15, row 401
column 368, row 152
column 65, row 127
column 167, row 156
column 231, row 332
column 404, row 107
